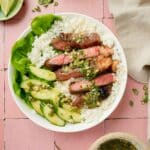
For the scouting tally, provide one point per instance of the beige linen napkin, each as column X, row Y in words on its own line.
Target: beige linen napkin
column 132, row 19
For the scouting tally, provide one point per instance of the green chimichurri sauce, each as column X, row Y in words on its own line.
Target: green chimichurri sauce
column 117, row 144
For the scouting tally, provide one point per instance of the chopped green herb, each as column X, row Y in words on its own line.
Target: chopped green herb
column 36, row 9
column 45, row 2
column 145, row 97
column 135, row 91
column 92, row 98
column 84, row 66
column 131, row 103
column 145, row 87
column 56, row 3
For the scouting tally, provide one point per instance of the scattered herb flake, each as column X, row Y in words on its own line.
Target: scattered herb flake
column 145, row 97
column 36, row 9
column 56, row 3
column 145, row 87
column 131, row 103
column 56, row 147
column 46, row 3
column 135, row 91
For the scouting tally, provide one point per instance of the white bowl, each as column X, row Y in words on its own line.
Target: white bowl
column 73, row 127
column 118, row 135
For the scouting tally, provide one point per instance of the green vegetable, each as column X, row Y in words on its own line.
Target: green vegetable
column 43, row 73
column 33, row 85
column 17, row 79
column 41, row 24
column 45, row 94
column 19, row 53
column 37, row 106
column 51, row 116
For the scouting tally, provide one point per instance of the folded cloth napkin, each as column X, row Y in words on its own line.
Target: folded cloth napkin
column 132, row 19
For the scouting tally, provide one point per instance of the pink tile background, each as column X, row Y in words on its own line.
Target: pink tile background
column 19, row 133
column 1, row 95
column 22, row 134
column 1, row 45
column 92, row 8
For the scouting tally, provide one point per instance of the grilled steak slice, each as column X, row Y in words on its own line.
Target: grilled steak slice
column 63, row 59
column 69, row 41
column 60, row 44
column 59, row 60
column 85, row 85
column 62, row 76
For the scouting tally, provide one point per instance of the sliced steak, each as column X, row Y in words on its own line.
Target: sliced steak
column 60, row 44
column 92, row 40
column 69, row 41
column 59, row 60
column 63, row 59
column 85, row 85
column 62, row 76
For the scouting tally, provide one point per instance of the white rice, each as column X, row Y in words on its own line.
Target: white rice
column 42, row 50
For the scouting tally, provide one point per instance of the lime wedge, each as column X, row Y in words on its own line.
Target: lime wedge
column 6, row 6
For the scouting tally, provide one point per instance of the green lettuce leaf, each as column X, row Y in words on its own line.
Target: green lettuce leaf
column 43, row 23
column 19, row 57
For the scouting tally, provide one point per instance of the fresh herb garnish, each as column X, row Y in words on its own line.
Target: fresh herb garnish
column 135, row 91
column 36, row 9
column 145, row 97
column 84, row 66
column 56, row 3
column 92, row 98
column 131, row 103
column 46, row 3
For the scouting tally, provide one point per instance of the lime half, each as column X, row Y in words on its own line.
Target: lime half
column 14, row 9
column 6, row 6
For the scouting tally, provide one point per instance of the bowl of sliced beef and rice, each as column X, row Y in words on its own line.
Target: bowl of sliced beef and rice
column 67, row 72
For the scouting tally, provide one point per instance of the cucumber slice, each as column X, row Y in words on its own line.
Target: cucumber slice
column 43, row 73
column 52, row 117
column 65, row 115
column 37, row 107
column 32, row 84
column 69, row 116
column 70, row 108
column 77, row 118
column 45, row 94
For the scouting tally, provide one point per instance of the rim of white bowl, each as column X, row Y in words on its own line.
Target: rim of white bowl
column 51, row 127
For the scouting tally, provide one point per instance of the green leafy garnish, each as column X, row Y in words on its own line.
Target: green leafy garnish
column 84, row 66
column 42, row 24
column 19, row 53
column 92, row 98
column 145, row 97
